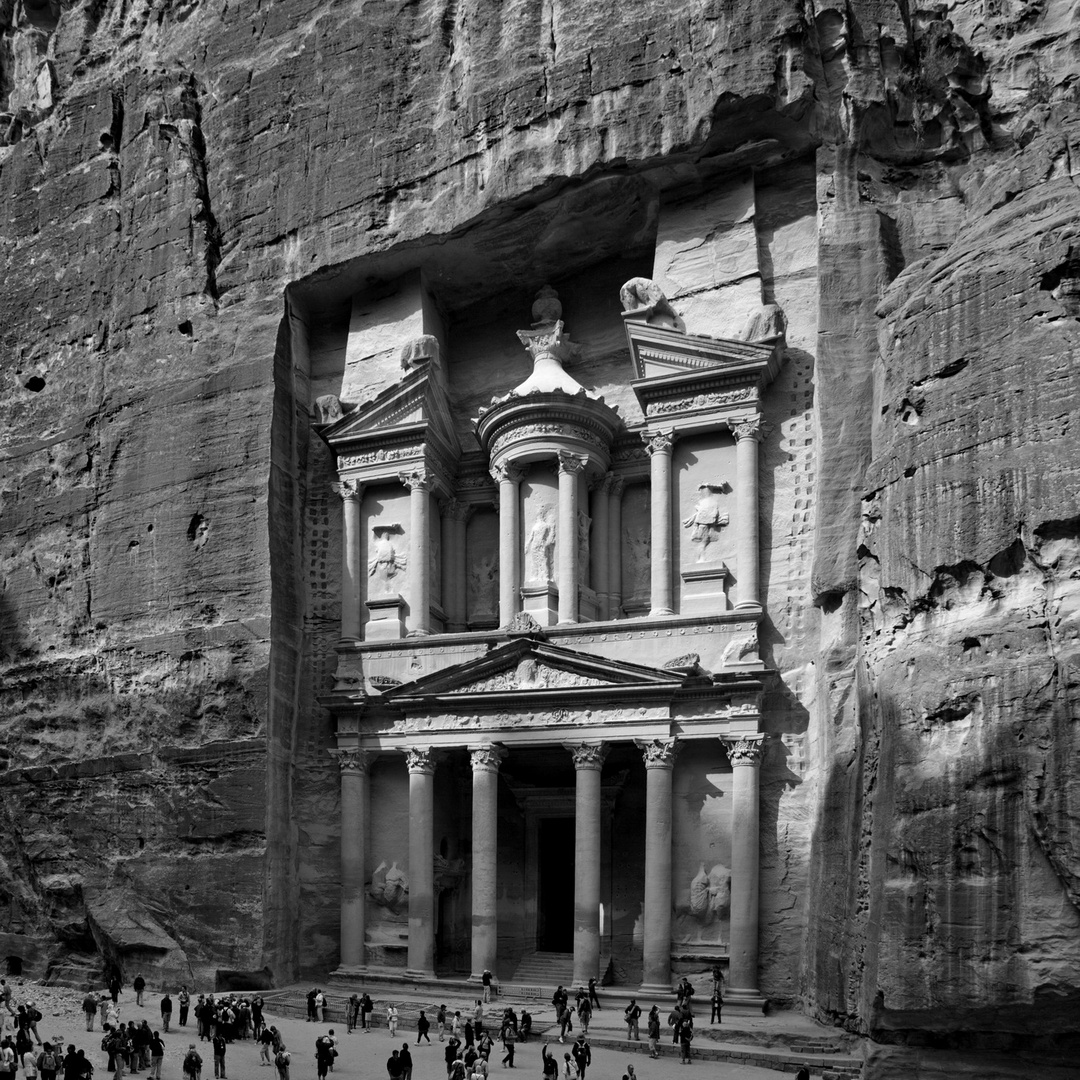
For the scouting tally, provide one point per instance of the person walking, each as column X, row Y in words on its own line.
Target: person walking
column 717, row 1003
column 392, row 1019
column 166, row 1011
column 367, row 1006
column 394, row 1068
column 283, row 1059
column 351, row 1013
column 183, row 999
column 654, row 1031
column 324, row 1055
column 48, row 1062
column 320, row 1006
column 582, row 1054
column 218, row 1043
column 192, row 1065
column 509, row 1039
column 632, row 1013
column 440, row 1022
column 686, row 1035
column 89, row 1008
column 584, row 1011
column 422, row 1026
column 139, row 986
column 406, row 1062
column 594, row 998
column 485, row 980
column 157, row 1055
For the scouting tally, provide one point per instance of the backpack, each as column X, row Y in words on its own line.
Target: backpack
column 191, row 1061
column 48, row 1062
column 282, row 1059
column 35, row 1016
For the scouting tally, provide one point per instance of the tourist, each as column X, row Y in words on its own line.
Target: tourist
column 257, row 1021
column 192, row 1065
column 469, row 1034
column 266, row 1040
column 367, row 1006
column 142, row 1039
column 282, row 1059
column 526, row 1025
column 594, row 998
column 184, row 1001
column 455, row 1025
column 394, row 1068
column 90, row 1007
column 392, row 1019
column 440, row 1022
column 157, row 1056
column 686, row 1034
column 478, row 1018
column 684, row 992
column 550, row 1065
column 582, row 1053
column 803, row 1073
column 218, row 1043
column 455, row 1070
column 139, row 985
column 509, row 1038
column 320, row 1006
column 566, row 1022
column 8, row 1059
column 352, row 1011
column 334, row 1043
column 48, row 1062
column 654, row 1031
column 324, row 1055
column 115, row 986
column 166, row 1011
column 83, row 1065
column 33, row 1015
column 29, row 1065
column 584, row 1011
column 422, row 1025
column 632, row 1012
column 311, row 995
column 717, row 1003
column 450, row 1054
column 485, row 980
column 675, row 1020
column 484, row 1046
column 406, row 1062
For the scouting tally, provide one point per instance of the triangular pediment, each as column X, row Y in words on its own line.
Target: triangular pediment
column 658, row 351
column 534, row 666
column 420, row 398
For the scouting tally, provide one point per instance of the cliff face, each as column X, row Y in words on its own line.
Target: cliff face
column 190, row 195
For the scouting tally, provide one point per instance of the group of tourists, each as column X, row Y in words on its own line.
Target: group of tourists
column 680, row 1019
column 470, row 1042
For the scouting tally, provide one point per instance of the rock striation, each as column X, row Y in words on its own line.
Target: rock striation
column 191, row 197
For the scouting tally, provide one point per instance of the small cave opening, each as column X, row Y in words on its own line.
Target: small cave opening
column 14, row 965
column 185, row 328
column 35, row 384
column 198, row 530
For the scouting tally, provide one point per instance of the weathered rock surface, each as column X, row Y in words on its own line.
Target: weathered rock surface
column 169, row 559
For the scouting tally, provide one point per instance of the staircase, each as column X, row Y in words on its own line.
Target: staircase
column 544, row 969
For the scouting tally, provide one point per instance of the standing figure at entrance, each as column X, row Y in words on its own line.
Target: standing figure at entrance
column 632, row 1012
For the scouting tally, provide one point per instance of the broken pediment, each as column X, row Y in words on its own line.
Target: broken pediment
column 534, row 666
column 418, row 403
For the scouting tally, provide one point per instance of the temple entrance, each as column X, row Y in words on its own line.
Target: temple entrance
column 555, row 893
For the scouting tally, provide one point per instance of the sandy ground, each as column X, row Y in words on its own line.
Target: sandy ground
column 362, row 1056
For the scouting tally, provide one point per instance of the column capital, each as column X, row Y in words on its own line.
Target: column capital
column 348, row 489
column 507, row 472
column 588, row 755
column 658, row 753
column 750, row 428
column 658, row 442
column 456, row 510
column 354, row 759
column 572, row 463
column 486, row 757
column 421, row 759
column 416, row 478
column 602, row 484
column 744, row 750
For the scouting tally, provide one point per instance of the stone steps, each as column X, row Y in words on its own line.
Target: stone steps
column 539, row 970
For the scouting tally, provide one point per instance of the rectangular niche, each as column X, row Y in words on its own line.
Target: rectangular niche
column 482, row 563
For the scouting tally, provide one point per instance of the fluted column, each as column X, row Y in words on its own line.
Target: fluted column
column 659, row 757
column 598, row 550
column 569, row 573
column 485, row 845
column 615, row 492
column 659, row 447
column 455, row 515
column 354, row 765
column 746, row 435
column 418, row 482
column 508, row 477
column 421, row 959
column 588, row 762
column 745, row 756
column 350, row 492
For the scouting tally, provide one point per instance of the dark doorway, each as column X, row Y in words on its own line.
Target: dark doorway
column 555, row 869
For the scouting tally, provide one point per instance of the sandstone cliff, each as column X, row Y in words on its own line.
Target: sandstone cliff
column 190, row 194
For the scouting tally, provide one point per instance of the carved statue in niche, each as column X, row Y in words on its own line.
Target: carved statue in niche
column 638, row 551
column 644, row 298
column 706, row 520
column 389, row 888
column 710, row 893
column 540, row 547
column 483, row 584
column 327, row 409
column 584, row 525
column 448, row 873
column 386, row 561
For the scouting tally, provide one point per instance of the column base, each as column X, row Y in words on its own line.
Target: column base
column 745, row 1001
column 747, row 605
column 418, row 973
column 349, row 971
column 655, row 989
column 657, row 612
column 418, row 633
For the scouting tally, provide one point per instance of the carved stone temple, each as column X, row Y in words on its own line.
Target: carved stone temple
column 548, row 695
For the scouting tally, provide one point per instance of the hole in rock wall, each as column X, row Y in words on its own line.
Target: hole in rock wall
column 185, row 328
column 14, row 965
column 35, row 383
column 198, row 530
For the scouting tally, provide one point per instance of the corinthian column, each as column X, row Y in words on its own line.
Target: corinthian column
column 659, row 447
column 745, row 756
column 746, row 435
column 350, row 492
column 418, row 483
column 421, row 959
column 615, row 548
column 508, row 477
column 485, row 845
column 570, row 467
column 588, row 761
column 354, row 765
column 659, row 757
column 599, row 551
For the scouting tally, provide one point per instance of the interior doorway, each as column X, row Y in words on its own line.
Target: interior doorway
column 555, row 892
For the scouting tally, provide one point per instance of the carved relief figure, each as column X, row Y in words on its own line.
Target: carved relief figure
column 638, row 550
column 584, row 525
column 710, row 893
column 483, row 584
column 386, row 561
column 389, row 888
column 706, row 520
column 540, row 547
